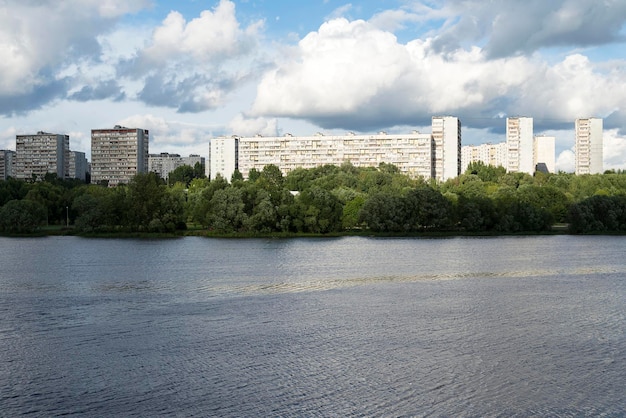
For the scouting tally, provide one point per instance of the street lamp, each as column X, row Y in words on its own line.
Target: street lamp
column 67, row 216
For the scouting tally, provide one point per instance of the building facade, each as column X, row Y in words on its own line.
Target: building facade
column 488, row 154
column 588, row 146
column 118, row 154
column 544, row 157
column 411, row 153
column 79, row 166
column 224, row 157
column 164, row 163
column 40, row 154
column 7, row 159
column 446, row 133
column 520, row 145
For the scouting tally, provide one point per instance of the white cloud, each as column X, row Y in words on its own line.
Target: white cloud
column 566, row 161
column 614, row 151
column 171, row 136
column 37, row 39
column 243, row 126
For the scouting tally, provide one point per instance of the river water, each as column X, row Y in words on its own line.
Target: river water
column 338, row 327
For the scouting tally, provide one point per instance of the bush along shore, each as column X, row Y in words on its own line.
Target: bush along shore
column 322, row 201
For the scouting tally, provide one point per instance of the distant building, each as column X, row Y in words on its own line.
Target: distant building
column 118, row 154
column 446, row 133
column 7, row 159
column 224, row 157
column 544, row 158
column 588, row 146
column 488, row 154
column 78, row 166
column 40, row 154
column 163, row 164
column 520, row 145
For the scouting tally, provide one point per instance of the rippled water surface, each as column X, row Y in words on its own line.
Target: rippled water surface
column 516, row 326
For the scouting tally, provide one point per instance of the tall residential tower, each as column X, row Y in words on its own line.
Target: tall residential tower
column 446, row 132
column 40, row 154
column 520, row 145
column 118, row 154
column 588, row 146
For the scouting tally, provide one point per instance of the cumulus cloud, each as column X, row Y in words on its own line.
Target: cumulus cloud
column 353, row 75
column 193, row 65
column 614, row 155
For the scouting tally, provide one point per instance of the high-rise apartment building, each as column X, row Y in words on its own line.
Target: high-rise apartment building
column 40, row 154
column 446, row 133
column 7, row 159
column 588, row 146
column 411, row 153
column 520, row 145
column 78, row 165
column 544, row 155
column 488, row 154
column 224, row 157
column 118, row 154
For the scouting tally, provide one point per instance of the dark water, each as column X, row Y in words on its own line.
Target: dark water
column 530, row 326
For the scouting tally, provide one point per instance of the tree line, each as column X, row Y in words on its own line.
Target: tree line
column 322, row 200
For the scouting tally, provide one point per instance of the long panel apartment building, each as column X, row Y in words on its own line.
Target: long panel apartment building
column 588, row 146
column 436, row 155
column 40, row 154
column 118, row 154
column 411, row 153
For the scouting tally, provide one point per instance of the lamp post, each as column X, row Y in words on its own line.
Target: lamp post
column 67, row 216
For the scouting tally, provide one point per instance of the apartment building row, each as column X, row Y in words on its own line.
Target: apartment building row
column 429, row 155
column 120, row 153
column 525, row 152
column 39, row 154
column 117, row 155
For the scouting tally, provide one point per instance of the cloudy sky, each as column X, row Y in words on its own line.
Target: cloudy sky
column 190, row 70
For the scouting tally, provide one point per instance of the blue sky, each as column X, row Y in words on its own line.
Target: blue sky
column 192, row 70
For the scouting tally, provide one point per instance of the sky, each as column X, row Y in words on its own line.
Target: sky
column 192, row 70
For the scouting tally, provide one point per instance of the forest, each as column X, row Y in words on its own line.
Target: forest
column 323, row 200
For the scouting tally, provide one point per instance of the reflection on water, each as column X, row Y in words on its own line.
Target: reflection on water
column 524, row 326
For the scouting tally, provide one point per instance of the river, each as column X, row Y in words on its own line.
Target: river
column 339, row 327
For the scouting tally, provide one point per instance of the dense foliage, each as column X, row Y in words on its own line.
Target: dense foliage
column 323, row 200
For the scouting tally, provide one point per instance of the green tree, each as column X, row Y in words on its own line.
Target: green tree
column 182, row 174
column 21, row 216
column 226, row 210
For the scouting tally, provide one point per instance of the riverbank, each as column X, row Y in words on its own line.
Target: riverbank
column 58, row 230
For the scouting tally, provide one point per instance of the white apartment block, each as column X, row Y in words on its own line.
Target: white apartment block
column 224, row 157
column 78, row 166
column 545, row 153
column 488, row 154
column 7, row 159
column 42, row 153
column 164, row 163
column 411, row 153
column 520, row 145
column 118, row 154
column 588, row 146
column 446, row 133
